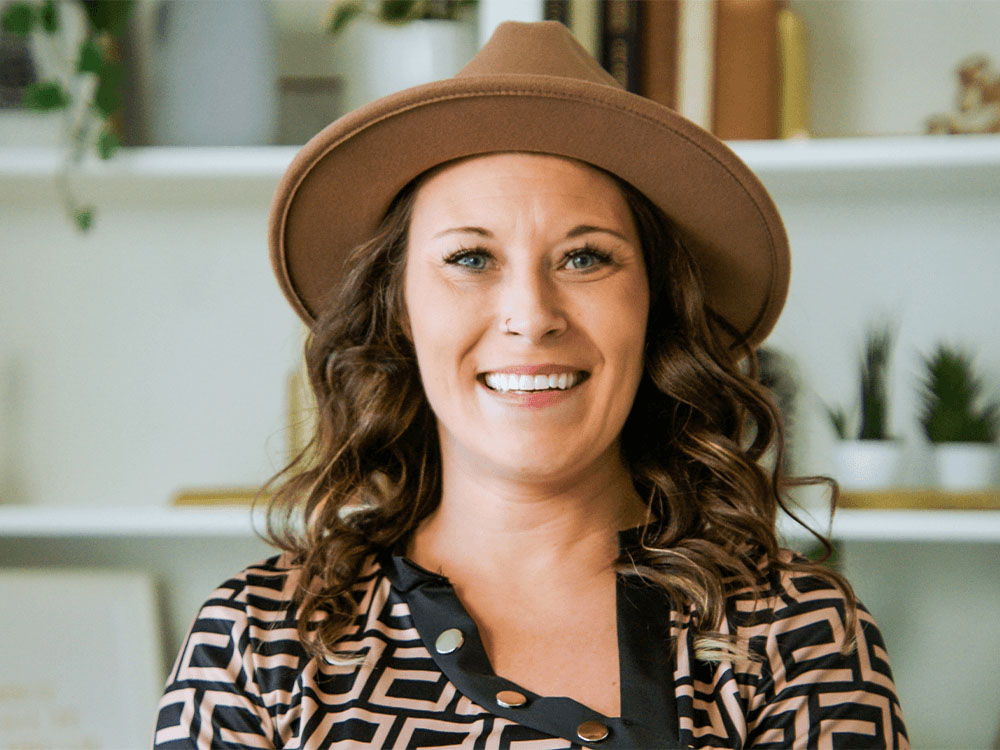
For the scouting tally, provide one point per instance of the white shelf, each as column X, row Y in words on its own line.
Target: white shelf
column 888, row 153
column 163, row 162
column 140, row 521
column 155, row 521
column 805, row 156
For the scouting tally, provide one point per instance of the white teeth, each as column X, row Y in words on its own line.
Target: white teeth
column 499, row 381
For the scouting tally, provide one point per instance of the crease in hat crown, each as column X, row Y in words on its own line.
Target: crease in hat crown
column 544, row 48
column 532, row 87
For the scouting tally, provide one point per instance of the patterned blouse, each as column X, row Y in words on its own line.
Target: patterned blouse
column 243, row 680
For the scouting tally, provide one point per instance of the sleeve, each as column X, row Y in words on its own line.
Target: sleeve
column 811, row 694
column 212, row 699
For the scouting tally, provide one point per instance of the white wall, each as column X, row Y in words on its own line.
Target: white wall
column 881, row 67
column 147, row 356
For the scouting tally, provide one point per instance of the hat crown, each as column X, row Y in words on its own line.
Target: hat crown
column 545, row 48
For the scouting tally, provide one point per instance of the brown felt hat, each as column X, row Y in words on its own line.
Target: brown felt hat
column 531, row 88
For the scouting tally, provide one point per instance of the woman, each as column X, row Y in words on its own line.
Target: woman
column 535, row 512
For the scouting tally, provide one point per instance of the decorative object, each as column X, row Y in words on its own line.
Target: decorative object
column 83, row 665
column 978, row 100
column 207, row 72
column 920, row 499
column 956, row 419
column 868, row 457
column 391, row 45
column 84, row 79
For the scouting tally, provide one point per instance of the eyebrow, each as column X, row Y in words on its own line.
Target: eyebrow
column 574, row 232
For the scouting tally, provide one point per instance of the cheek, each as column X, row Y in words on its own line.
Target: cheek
column 440, row 324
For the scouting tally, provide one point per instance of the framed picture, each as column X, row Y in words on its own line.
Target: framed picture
column 81, row 662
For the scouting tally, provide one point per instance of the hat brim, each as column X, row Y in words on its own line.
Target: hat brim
column 339, row 186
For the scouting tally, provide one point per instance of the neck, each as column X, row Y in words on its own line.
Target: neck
column 490, row 525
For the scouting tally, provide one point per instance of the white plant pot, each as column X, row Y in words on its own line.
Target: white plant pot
column 868, row 464
column 377, row 59
column 967, row 466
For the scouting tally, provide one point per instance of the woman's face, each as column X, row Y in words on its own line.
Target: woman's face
column 527, row 301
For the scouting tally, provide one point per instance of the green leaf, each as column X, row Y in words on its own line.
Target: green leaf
column 108, row 15
column 84, row 218
column 344, row 15
column 108, row 96
column 18, row 18
column 107, row 143
column 838, row 420
column 398, row 11
column 46, row 96
column 874, row 377
column 90, row 60
column 49, row 15
column 950, row 391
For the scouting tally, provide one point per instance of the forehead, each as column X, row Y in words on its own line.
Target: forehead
column 480, row 183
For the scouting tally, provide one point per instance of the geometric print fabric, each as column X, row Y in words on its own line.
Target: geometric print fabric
column 243, row 680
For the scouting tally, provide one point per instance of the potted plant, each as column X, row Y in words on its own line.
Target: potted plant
column 868, row 457
column 384, row 46
column 86, row 85
column 954, row 417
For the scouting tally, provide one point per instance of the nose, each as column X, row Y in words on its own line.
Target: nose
column 531, row 309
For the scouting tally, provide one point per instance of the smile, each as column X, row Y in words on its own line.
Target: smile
column 505, row 382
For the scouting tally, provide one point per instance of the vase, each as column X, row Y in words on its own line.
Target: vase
column 377, row 59
column 212, row 73
column 868, row 464
column 967, row 466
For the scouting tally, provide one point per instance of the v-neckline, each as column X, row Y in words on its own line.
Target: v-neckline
column 648, row 709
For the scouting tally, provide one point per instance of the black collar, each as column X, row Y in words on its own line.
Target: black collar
column 649, row 711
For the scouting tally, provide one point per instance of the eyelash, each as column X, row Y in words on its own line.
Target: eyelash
column 602, row 258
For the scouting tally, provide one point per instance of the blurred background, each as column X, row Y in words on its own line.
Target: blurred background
column 149, row 367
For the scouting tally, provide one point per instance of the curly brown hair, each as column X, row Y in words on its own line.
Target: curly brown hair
column 698, row 440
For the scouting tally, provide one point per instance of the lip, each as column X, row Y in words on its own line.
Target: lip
column 546, row 369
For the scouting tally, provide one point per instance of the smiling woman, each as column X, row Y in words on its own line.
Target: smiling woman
column 539, row 507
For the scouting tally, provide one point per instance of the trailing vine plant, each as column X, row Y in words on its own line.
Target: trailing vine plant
column 85, row 84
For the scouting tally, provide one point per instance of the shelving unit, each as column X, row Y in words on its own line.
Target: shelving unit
column 814, row 157
column 899, row 560
column 115, row 524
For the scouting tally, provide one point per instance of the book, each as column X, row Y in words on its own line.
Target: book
column 556, row 10
column 793, row 52
column 659, row 52
column 621, row 41
column 585, row 23
column 696, row 60
column 747, row 81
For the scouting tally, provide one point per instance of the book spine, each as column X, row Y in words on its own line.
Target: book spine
column 747, row 70
column 695, row 60
column 556, row 10
column 659, row 52
column 794, row 55
column 621, row 42
column 585, row 23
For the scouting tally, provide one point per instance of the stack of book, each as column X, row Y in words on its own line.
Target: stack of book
column 736, row 67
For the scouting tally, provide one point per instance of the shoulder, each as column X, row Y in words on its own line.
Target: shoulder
column 265, row 587
column 822, row 660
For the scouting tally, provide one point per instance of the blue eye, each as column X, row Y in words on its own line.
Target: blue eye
column 474, row 260
column 586, row 259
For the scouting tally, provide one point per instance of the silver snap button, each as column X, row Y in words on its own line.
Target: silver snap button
column 511, row 699
column 592, row 731
column 449, row 640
